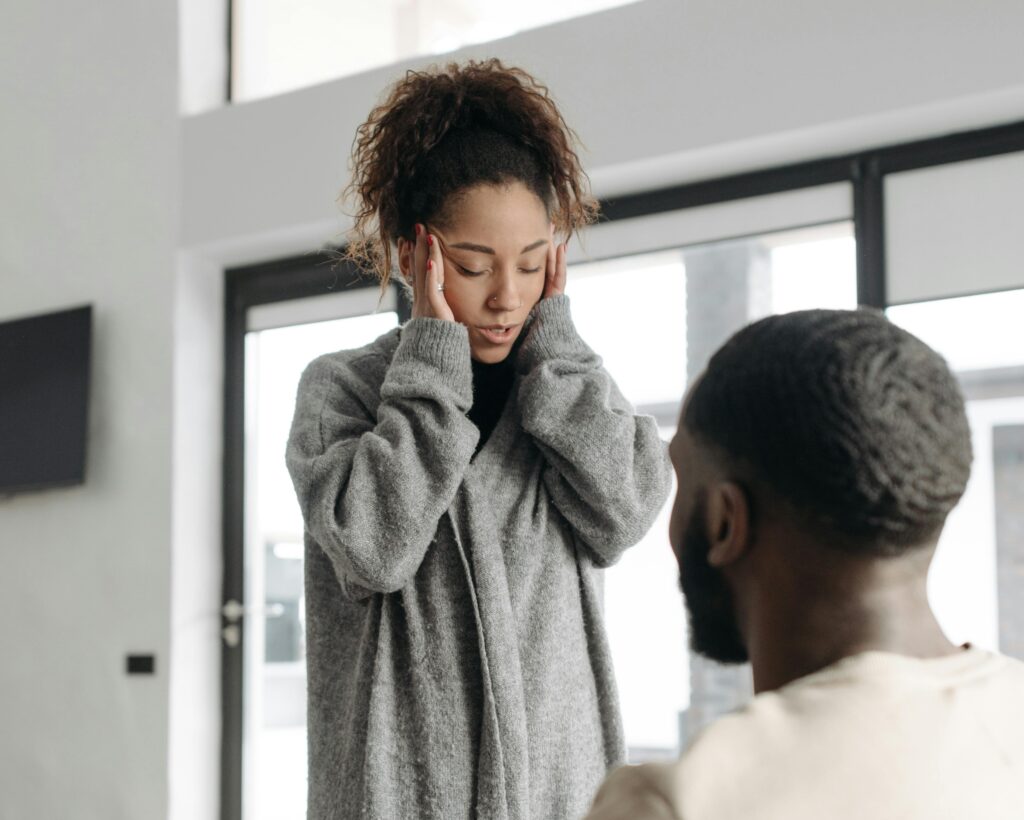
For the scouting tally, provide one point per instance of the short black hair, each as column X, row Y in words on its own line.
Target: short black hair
column 855, row 422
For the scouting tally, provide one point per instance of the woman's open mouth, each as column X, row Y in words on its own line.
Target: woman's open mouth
column 498, row 334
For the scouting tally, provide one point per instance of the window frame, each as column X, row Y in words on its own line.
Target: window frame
column 318, row 274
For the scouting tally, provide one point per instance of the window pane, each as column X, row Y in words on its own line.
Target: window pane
column 954, row 228
column 632, row 312
column 975, row 578
column 281, row 45
column 815, row 271
column 655, row 319
column 274, row 733
column 988, row 329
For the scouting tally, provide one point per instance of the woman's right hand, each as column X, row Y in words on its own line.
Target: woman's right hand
column 428, row 278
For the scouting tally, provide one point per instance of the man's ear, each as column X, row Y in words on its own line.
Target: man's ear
column 728, row 523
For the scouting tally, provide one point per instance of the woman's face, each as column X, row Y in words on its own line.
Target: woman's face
column 495, row 244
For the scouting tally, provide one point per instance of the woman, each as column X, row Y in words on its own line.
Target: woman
column 464, row 477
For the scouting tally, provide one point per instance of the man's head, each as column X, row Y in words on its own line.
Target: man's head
column 833, row 429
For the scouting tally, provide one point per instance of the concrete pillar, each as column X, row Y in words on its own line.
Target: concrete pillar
column 1008, row 464
column 728, row 285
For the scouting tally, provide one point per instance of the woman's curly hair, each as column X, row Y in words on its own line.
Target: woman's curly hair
column 444, row 130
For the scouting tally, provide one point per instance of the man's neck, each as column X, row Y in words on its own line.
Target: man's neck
column 818, row 621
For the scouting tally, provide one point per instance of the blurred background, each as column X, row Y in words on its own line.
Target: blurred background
column 176, row 166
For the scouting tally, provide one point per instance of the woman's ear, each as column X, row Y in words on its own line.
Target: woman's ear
column 728, row 523
column 406, row 248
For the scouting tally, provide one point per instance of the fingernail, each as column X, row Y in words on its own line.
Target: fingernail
column 430, row 239
column 418, row 229
column 430, row 264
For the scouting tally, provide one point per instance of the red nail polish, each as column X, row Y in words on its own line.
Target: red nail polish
column 430, row 264
column 430, row 240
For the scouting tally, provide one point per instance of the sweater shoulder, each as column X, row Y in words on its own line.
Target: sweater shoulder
column 347, row 380
column 366, row 365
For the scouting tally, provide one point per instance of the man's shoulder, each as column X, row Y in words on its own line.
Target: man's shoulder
column 806, row 749
column 636, row 792
column 718, row 759
column 865, row 713
column 837, row 699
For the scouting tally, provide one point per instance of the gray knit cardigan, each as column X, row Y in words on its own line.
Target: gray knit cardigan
column 457, row 659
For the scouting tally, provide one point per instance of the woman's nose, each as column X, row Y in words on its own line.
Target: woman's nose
column 505, row 296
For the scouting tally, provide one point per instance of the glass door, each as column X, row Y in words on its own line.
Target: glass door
column 272, row 619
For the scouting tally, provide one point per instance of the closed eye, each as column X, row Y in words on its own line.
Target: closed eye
column 467, row 272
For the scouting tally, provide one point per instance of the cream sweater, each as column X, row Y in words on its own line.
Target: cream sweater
column 873, row 737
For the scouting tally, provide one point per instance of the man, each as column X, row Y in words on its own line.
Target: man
column 818, row 457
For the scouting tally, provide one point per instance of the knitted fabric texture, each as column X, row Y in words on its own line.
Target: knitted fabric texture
column 456, row 653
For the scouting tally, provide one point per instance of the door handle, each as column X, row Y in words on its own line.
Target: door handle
column 233, row 612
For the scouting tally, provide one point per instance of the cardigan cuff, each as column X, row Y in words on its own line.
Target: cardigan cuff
column 441, row 348
column 552, row 335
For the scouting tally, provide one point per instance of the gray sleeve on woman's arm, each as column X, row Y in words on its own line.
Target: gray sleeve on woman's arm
column 609, row 472
column 373, row 490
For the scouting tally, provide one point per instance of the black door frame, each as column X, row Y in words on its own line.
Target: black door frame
column 317, row 274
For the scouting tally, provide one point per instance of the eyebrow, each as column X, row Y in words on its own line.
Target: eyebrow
column 471, row 246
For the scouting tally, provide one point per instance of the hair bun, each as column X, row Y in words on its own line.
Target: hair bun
column 447, row 128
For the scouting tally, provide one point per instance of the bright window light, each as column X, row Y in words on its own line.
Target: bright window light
column 634, row 311
column 980, row 338
column 282, row 45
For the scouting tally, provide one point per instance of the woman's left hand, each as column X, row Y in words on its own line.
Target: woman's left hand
column 555, row 275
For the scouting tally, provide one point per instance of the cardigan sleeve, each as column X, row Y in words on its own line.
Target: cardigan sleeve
column 372, row 487
column 608, row 469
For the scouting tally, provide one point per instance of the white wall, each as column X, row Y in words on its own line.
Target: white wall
column 202, row 55
column 89, row 168
column 194, row 731
column 660, row 91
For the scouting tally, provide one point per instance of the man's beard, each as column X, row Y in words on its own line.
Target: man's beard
column 714, row 632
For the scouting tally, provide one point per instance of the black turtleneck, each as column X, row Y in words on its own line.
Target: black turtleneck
column 492, row 384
